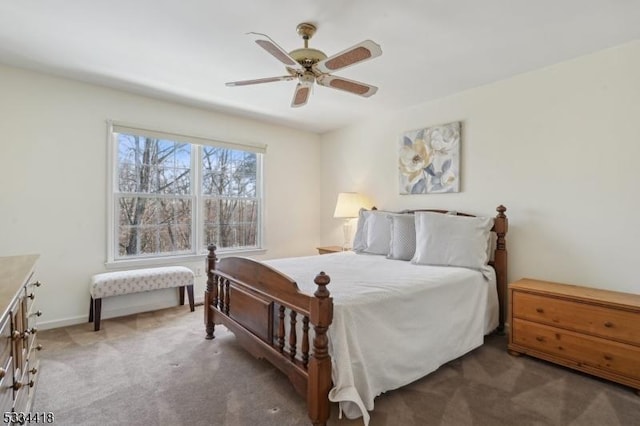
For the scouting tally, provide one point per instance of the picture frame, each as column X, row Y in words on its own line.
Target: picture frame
column 429, row 160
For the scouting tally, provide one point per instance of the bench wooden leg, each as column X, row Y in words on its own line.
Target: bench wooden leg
column 91, row 310
column 97, row 310
column 190, row 293
column 181, row 294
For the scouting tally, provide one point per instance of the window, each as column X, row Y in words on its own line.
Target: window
column 172, row 195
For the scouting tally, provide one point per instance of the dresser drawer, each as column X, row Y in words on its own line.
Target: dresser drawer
column 601, row 321
column 21, row 392
column 32, row 348
column 31, row 293
column 5, row 340
column 33, row 373
column 582, row 349
column 6, row 386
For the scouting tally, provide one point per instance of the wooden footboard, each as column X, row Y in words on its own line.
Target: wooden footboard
column 253, row 301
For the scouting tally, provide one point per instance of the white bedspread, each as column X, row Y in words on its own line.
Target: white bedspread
column 394, row 322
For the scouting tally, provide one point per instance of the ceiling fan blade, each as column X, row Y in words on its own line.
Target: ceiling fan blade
column 355, row 54
column 276, row 51
column 351, row 86
column 301, row 95
column 259, row 81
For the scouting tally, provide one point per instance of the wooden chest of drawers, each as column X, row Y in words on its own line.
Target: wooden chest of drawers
column 591, row 330
column 18, row 344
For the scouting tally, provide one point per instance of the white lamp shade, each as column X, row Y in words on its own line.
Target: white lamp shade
column 349, row 204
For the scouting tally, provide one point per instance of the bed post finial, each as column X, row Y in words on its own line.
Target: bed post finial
column 501, row 209
column 211, row 293
column 211, row 258
column 322, row 280
column 321, row 316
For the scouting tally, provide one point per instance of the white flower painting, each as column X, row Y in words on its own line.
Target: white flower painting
column 429, row 160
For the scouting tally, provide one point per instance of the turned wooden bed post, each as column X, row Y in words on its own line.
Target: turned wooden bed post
column 500, row 262
column 211, row 293
column 319, row 384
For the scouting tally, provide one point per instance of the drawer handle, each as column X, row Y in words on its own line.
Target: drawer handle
column 39, row 347
column 37, row 283
column 608, row 324
column 31, row 296
column 33, row 370
column 18, row 385
column 539, row 310
column 37, row 313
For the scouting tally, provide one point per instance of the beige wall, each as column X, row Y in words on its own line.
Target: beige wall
column 53, row 147
column 559, row 147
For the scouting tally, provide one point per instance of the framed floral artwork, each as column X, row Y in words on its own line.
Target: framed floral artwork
column 429, row 160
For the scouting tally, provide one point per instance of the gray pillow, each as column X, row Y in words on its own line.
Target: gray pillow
column 402, row 244
column 378, row 233
column 443, row 239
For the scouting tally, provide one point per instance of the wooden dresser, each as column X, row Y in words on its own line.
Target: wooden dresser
column 591, row 330
column 18, row 347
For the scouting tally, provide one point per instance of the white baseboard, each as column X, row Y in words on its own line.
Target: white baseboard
column 114, row 313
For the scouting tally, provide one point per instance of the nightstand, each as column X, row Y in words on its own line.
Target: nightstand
column 329, row 249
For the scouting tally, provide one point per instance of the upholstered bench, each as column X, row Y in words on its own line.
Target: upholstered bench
column 136, row 281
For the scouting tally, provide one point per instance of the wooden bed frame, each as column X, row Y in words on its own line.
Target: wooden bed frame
column 250, row 299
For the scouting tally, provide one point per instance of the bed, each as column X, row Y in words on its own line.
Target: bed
column 385, row 323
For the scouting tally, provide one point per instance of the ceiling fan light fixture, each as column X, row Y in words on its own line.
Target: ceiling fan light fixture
column 307, row 78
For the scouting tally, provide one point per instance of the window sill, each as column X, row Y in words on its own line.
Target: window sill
column 172, row 260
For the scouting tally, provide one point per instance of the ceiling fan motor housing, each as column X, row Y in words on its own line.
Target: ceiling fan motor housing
column 307, row 56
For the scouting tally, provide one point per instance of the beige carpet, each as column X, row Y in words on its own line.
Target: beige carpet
column 157, row 369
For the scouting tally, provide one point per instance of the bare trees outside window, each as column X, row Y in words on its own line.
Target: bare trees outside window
column 229, row 196
column 161, row 212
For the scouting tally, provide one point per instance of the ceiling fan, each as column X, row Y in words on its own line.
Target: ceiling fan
column 311, row 65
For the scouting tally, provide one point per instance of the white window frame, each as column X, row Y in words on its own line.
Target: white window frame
column 198, row 250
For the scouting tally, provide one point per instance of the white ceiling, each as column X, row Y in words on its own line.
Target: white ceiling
column 185, row 50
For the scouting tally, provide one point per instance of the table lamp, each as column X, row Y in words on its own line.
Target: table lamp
column 348, row 206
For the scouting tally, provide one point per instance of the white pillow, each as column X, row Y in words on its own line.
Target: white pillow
column 378, row 233
column 443, row 239
column 360, row 238
column 402, row 244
